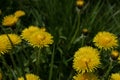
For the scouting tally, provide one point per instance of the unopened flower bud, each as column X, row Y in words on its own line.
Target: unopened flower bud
column 80, row 3
column 85, row 31
column 114, row 55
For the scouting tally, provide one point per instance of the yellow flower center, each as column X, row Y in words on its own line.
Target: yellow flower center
column 39, row 37
column 106, row 40
column 86, row 61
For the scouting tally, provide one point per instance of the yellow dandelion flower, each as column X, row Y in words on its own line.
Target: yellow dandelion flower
column 41, row 39
column 4, row 44
column 15, row 39
column 80, row 3
column 0, row 76
column 86, row 59
column 9, row 20
column 105, row 40
column 85, row 76
column 27, row 32
column 115, row 76
column 30, row 77
column 19, row 13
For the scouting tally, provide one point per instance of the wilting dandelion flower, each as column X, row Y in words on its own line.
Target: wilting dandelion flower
column 105, row 40
column 9, row 20
column 30, row 77
column 27, row 32
column 41, row 39
column 4, row 44
column 115, row 76
column 86, row 59
column 85, row 76
column 19, row 13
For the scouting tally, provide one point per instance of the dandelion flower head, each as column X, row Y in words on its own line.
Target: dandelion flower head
column 15, row 39
column 19, row 13
column 9, row 20
column 4, row 44
column 27, row 32
column 30, row 77
column 85, row 76
column 105, row 40
column 41, row 39
column 115, row 76
column 86, row 59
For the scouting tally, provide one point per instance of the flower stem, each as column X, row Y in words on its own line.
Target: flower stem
column 12, row 59
column 83, row 39
column 108, row 71
column 77, row 29
column 51, row 66
column 38, row 56
column 21, row 64
column 8, row 68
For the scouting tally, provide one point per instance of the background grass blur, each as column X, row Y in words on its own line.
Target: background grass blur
column 65, row 22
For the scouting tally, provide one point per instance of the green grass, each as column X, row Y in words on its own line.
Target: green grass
column 65, row 22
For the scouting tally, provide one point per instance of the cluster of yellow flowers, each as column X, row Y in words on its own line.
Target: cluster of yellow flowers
column 10, row 20
column 87, row 58
column 37, row 37
column 29, row 76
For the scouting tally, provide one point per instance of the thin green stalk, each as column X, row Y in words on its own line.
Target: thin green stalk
column 83, row 39
column 77, row 29
column 8, row 68
column 71, row 75
column 38, row 56
column 108, row 71
column 20, row 62
column 11, row 56
column 14, row 65
column 25, row 53
column 51, row 65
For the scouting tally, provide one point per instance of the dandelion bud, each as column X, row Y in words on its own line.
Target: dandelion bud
column 114, row 55
column 85, row 31
column 80, row 3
